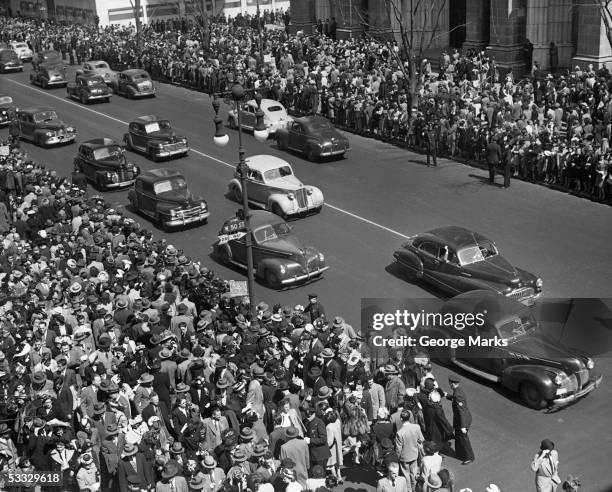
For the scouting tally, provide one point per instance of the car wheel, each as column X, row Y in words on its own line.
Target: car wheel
column 107, row 100
column 224, row 257
column 236, row 194
column 83, row 99
column 129, row 94
column 272, row 280
column 277, row 210
column 281, row 144
column 532, row 396
column 232, row 123
column 317, row 210
column 310, row 155
column 44, row 84
column 128, row 143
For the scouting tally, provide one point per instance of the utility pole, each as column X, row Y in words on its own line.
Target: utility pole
column 138, row 27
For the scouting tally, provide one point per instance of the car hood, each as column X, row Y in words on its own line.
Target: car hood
column 328, row 134
column 51, row 125
column 278, row 116
column 114, row 163
column 542, row 350
column 290, row 183
column 181, row 197
column 495, row 269
column 165, row 135
column 290, row 244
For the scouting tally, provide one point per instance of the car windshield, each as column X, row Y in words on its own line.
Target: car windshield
column 320, row 125
column 271, row 232
column 6, row 100
column 94, row 81
column 520, row 325
column 277, row 173
column 20, row 45
column 140, row 77
column 274, row 109
column 177, row 183
column 50, row 56
column 110, row 152
column 156, row 126
column 45, row 116
column 101, row 65
column 470, row 255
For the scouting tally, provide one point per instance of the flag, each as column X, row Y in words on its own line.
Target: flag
column 509, row 8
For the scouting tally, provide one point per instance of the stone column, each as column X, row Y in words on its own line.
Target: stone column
column 537, row 33
column 349, row 22
column 507, row 34
column 560, row 30
column 303, row 16
column 593, row 45
column 476, row 21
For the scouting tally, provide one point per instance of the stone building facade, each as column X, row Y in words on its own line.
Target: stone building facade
column 563, row 33
column 66, row 11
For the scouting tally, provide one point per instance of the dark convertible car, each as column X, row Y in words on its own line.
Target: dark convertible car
column 524, row 359
column 279, row 257
column 456, row 260
column 314, row 136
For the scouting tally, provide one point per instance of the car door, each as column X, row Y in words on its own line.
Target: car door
column 147, row 200
column 27, row 126
column 487, row 356
column 122, row 83
column 428, row 253
column 449, row 272
column 139, row 138
column 256, row 187
column 248, row 116
column 296, row 136
column 238, row 248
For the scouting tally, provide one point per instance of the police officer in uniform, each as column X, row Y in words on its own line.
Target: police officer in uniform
column 462, row 420
column 15, row 130
column 431, row 141
column 494, row 154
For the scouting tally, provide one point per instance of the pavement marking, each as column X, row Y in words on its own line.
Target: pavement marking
column 207, row 156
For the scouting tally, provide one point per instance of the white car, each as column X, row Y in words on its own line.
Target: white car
column 275, row 115
column 99, row 67
column 22, row 49
column 272, row 186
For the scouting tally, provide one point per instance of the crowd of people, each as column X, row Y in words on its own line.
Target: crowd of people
column 125, row 365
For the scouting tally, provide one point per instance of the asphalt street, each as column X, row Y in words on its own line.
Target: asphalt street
column 376, row 197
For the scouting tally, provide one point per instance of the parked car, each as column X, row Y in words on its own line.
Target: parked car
column 103, row 162
column 133, row 83
column 23, row 50
column 457, row 260
column 10, row 62
column 7, row 109
column 273, row 186
column 314, row 136
column 538, row 368
column 280, row 259
column 43, row 127
column 154, row 137
column 99, row 67
column 162, row 195
column 275, row 116
column 88, row 87
column 49, row 76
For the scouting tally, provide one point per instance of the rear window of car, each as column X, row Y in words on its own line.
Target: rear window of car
column 142, row 76
column 6, row 100
column 101, row 65
column 273, row 109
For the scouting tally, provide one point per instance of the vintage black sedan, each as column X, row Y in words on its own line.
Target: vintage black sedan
column 510, row 348
column 88, row 87
column 104, row 164
column 162, row 195
column 49, row 75
column 313, row 136
column 10, row 62
column 154, row 137
column 280, row 259
column 456, row 260
column 7, row 109
column 43, row 127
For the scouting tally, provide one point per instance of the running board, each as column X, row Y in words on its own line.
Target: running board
column 477, row 372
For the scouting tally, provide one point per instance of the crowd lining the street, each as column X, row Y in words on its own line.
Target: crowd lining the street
column 125, row 365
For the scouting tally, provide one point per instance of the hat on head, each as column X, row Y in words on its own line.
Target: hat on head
column 276, row 317
column 209, row 462
column 129, row 449
column 170, row 470
column 240, row 456
column 312, row 296
column 177, row 448
column 258, row 371
column 165, row 354
column 314, row 372
column 145, row 378
column 197, row 481
column 222, row 383
column 86, row 459
column 247, row 433
column 39, row 377
column 182, row 309
column 220, row 362
column 547, row 444
column 133, row 480
column 112, row 430
column 99, row 408
column 182, row 388
column 121, row 303
column 390, row 369
column 453, row 379
column 324, row 392
column 327, row 353
column 38, row 422
column 259, row 449
column 292, row 432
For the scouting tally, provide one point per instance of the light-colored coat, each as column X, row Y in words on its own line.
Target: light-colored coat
column 297, row 450
column 334, row 441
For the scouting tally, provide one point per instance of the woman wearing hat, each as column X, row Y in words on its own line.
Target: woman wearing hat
column 545, row 464
column 88, row 476
column 354, row 424
column 63, row 459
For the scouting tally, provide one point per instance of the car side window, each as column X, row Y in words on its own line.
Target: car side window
column 429, row 248
column 297, row 128
column 138, row 185
column 255, row 176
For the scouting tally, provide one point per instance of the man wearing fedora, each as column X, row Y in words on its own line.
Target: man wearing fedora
column 316, row 437
column 109, row 458
column 171, row 481
column 213, row 477
column 407, row 442
column 394, row 388
column 332, row 370
column 158, row 408
column 133, row 462
column 180, row 415
column 255, row 399
column 296, row 449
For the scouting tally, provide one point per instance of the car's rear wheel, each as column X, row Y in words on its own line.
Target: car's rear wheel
column 532, row 396
column 236, row 194
column 224, row 257
column 272, row 280
column 129, row 94
column 277, row 210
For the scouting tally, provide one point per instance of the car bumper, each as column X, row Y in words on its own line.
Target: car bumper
column 144, row 93
column 306, row 276
column 304, row 211
column 53, row 83
column 4, row 121
column 112, row 186
column 169, row 153
column 569, row 399
column 13, row 68
column 179, row 221
column 98, row 96
column 60, row 139
column 331, row 153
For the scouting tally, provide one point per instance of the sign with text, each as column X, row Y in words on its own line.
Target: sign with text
column 238, row 288
column 226, row 238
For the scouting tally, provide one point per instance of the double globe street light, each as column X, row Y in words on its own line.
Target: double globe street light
column 221, row 139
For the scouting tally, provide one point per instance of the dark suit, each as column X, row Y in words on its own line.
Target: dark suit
column 462, row 419
column 319, row 450
column 332, row 371
column 494, row 155
column 161, row 386
column 149, row 411
column 144, row 471
column 180, row 420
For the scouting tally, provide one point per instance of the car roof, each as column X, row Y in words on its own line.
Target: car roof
column 309, row 120
column 94, row 62
column 454, row 236
column 96, row 143
column 265, row 103
column 147, row 118
column 260, row 218
column 35, row 110
column 134, row 71
column 90, row 75
column 155, row 175
column 263, row 163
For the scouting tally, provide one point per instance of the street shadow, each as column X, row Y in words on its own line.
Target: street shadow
column 395, row 270
column 484, row 180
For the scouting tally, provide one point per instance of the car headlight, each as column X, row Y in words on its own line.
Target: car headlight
column 291, row 196
column 309, row 191
column 559, row 378
column 49, row 134
column 203, row 205
column 173, row 213
column 590, row 364
column 3, row 112
column 282, row 269
column 70, row 129
column 184, row 140
column 321, row 257
column 538, row 284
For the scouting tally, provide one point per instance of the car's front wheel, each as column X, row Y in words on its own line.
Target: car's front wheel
column 83, row 99
column 224, row 257
column 532, row 396
column 311, row 156
column 272, row 279
column 277, row 210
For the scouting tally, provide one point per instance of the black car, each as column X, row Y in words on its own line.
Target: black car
column 104, row 164
column 10, row 62
column 7, row 109
column 456, row 260
column 313, row 136
column 154, row 137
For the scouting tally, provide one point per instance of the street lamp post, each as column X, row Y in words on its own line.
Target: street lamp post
column 222, row 139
